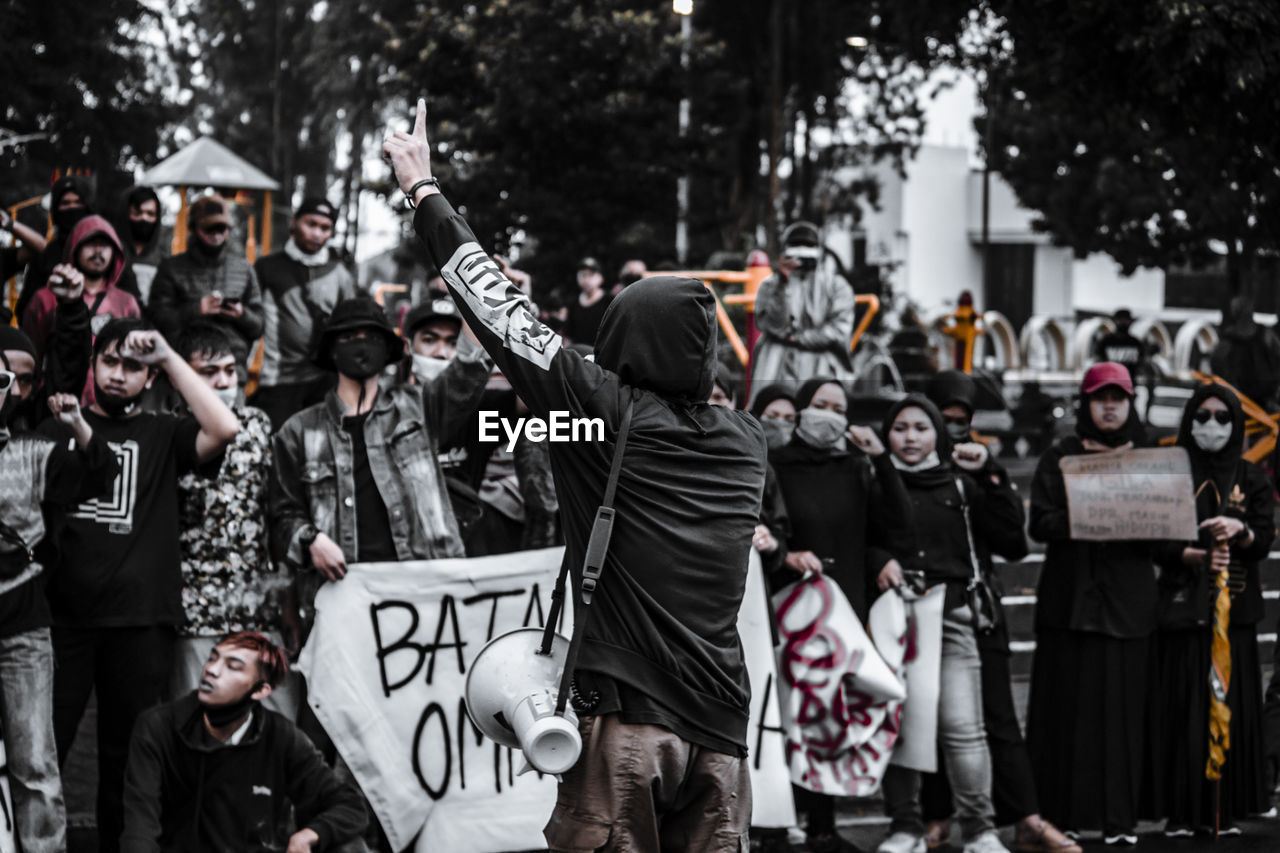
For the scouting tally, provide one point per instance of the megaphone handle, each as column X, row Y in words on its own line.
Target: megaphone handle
column 593, row 561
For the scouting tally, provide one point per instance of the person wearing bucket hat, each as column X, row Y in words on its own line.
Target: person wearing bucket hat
column 301, row 284
column 805, row 316
column 358, row 495
column 1096, row 605
column 209, row 280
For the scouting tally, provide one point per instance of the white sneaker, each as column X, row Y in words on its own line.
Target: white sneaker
column 1123, row 839
column 903, row 842
column 987, row 842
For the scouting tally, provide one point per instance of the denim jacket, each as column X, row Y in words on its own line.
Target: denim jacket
column 313, row 484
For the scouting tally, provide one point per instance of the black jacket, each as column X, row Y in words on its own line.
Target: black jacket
column 663, row 626
column 1105, row 587
column 185, row 791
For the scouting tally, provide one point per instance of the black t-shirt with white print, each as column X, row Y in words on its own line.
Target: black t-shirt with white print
column 119, row 563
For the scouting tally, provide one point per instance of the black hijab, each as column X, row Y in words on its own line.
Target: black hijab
column 942, row 472
column 797, row 450
column 1220, row 467
column 770, row 394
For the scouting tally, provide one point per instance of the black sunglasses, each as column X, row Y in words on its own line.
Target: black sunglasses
column 1202, row 416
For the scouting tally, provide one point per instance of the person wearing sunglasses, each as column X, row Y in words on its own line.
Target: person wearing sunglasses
column 35, row 469
column 212, row 281
column 1235, row 508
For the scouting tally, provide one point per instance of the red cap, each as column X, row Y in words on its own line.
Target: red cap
column 758, row 258
column 1106, row 373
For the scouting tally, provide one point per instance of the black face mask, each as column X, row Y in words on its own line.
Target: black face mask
column 142, row 229
column 360, row 358
column 224, row 715
column 115, row 406
column 17, row 413
column 208, row 251
column 65, row 220
column 959, row 433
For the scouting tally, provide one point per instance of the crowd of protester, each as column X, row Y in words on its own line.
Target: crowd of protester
column 163, row 537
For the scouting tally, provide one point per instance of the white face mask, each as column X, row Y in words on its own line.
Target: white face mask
column 1212, row 436
column 426, row 368
column 820, row 427
column 228, row 396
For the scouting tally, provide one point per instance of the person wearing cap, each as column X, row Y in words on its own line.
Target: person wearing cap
column 431, row 331
column 342, row 490
column 1096, row 607
column 586, row 312
column 804, row 313
column 211, row 281
column 1013, row 788
column 35, row 469
column 300, row 285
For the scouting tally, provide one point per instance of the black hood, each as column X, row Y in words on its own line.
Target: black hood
column 659, row 334
column 931, row 477
column 949, row 387
column 1132, row 430
column 133, row 196
column 769, row 394
column 1221, row 466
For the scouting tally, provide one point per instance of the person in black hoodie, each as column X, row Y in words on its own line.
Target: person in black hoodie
column 1013, row 788
column 1236, row 509
column 660, row 683
column 962, row 515
column 1095, row 614
column 839, row 501
column 70, row 200
column 214, row 771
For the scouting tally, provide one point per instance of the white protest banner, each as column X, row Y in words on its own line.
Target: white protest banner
column 909, row 635
column 840, row 699
column 386, row 667
column 7, row 843
column 772, row 804
column 1130, row 494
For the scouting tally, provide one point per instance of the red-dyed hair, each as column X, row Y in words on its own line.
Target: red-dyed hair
column 273, row 665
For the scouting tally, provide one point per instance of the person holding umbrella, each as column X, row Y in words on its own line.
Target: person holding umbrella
column 1210, row 604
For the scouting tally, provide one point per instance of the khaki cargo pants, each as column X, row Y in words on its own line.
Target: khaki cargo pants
column 643, row 789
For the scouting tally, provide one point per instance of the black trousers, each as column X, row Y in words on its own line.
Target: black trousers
column 129, row 670
column 1013, row 787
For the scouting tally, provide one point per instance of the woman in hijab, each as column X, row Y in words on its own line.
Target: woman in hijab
column 775, row 408
column 961, row 519
column 1235, row 508
column 1095, row 614
column 842, row 494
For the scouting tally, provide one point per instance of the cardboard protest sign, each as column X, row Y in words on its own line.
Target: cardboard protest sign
column 909, row 635
column 1130, row 494
column 386, row 668
column 840, row 699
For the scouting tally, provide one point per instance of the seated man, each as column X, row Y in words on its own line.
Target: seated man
column 216, row 771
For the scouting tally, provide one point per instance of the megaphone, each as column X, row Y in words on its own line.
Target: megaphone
column 511, row 697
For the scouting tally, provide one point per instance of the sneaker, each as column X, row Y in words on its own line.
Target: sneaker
column 1179, row 832
column 1123, row 839
column 1231, row 829
column 986, row 842
column 903, row 842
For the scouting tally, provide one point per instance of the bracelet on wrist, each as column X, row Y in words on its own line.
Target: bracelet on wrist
column 413, row 190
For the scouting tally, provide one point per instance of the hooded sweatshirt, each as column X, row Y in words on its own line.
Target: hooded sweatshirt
column 186, row 791
column 1225, row 485
column 109, row 303
column 661, row 645
column 39, row 268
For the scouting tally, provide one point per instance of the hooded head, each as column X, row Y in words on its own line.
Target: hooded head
column 1108, row 377
column 943, row 446
column 1194, row 434
column 88, row 228
column 138, row 218
column 659, row 334
column 65, row 220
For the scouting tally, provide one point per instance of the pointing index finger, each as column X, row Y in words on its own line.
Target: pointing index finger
column 420, row 123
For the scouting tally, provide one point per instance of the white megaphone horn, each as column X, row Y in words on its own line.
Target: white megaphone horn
column 511, row 697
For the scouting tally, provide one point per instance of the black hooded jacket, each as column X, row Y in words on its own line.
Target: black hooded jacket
column 841, row 505
column 938, row 543
column 1225, row 485
column 1103, row 587
column 185, row 791
column 662, row 643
